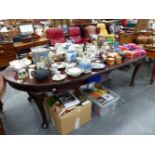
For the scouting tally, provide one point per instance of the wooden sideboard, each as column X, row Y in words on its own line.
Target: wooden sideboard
column 7, row 54
column 8, row 51
column 25, row 45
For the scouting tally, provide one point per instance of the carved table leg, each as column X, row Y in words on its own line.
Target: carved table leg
column 1, row 106
column 137, row 66
column 39, row 99
column 149, row 62
column 153, row 73
column 29, row 98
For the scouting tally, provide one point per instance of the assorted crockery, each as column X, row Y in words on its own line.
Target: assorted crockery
column 76, row 59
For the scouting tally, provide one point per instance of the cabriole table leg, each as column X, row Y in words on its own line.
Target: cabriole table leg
column 39, row 99
column 153, row 73
column 1, row 106
column 137, row 66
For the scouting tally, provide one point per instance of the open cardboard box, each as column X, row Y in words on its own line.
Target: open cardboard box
column 71, row 120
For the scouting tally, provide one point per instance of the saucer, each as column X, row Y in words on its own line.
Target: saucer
column 59, row 78
column 97, row 66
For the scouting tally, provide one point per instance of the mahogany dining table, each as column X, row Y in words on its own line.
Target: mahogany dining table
column 37, row 89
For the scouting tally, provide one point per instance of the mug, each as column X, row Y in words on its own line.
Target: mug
column 22, row 73
column 31, row 73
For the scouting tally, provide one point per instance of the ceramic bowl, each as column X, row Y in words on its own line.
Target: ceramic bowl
column 19, row 64
column 74, row 72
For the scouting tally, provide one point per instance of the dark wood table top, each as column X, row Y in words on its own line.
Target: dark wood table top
column 47, row 85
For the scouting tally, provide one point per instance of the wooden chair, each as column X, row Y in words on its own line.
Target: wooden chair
column 55, row 35
column 74, row 33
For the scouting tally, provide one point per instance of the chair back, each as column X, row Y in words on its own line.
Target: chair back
column 75, row 34
column 55, row 35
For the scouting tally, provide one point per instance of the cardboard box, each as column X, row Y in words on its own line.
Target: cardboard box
column 71, row 120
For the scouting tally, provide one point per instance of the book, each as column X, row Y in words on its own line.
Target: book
column 68, row 99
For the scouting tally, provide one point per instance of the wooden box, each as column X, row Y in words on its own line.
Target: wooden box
column 125, row 38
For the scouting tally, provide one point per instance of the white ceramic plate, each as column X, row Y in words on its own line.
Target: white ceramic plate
column 56, row 78
column 98, row 66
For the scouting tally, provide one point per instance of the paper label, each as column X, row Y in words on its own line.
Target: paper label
column 86, row 102
column 79, row 109
column 77, row 123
